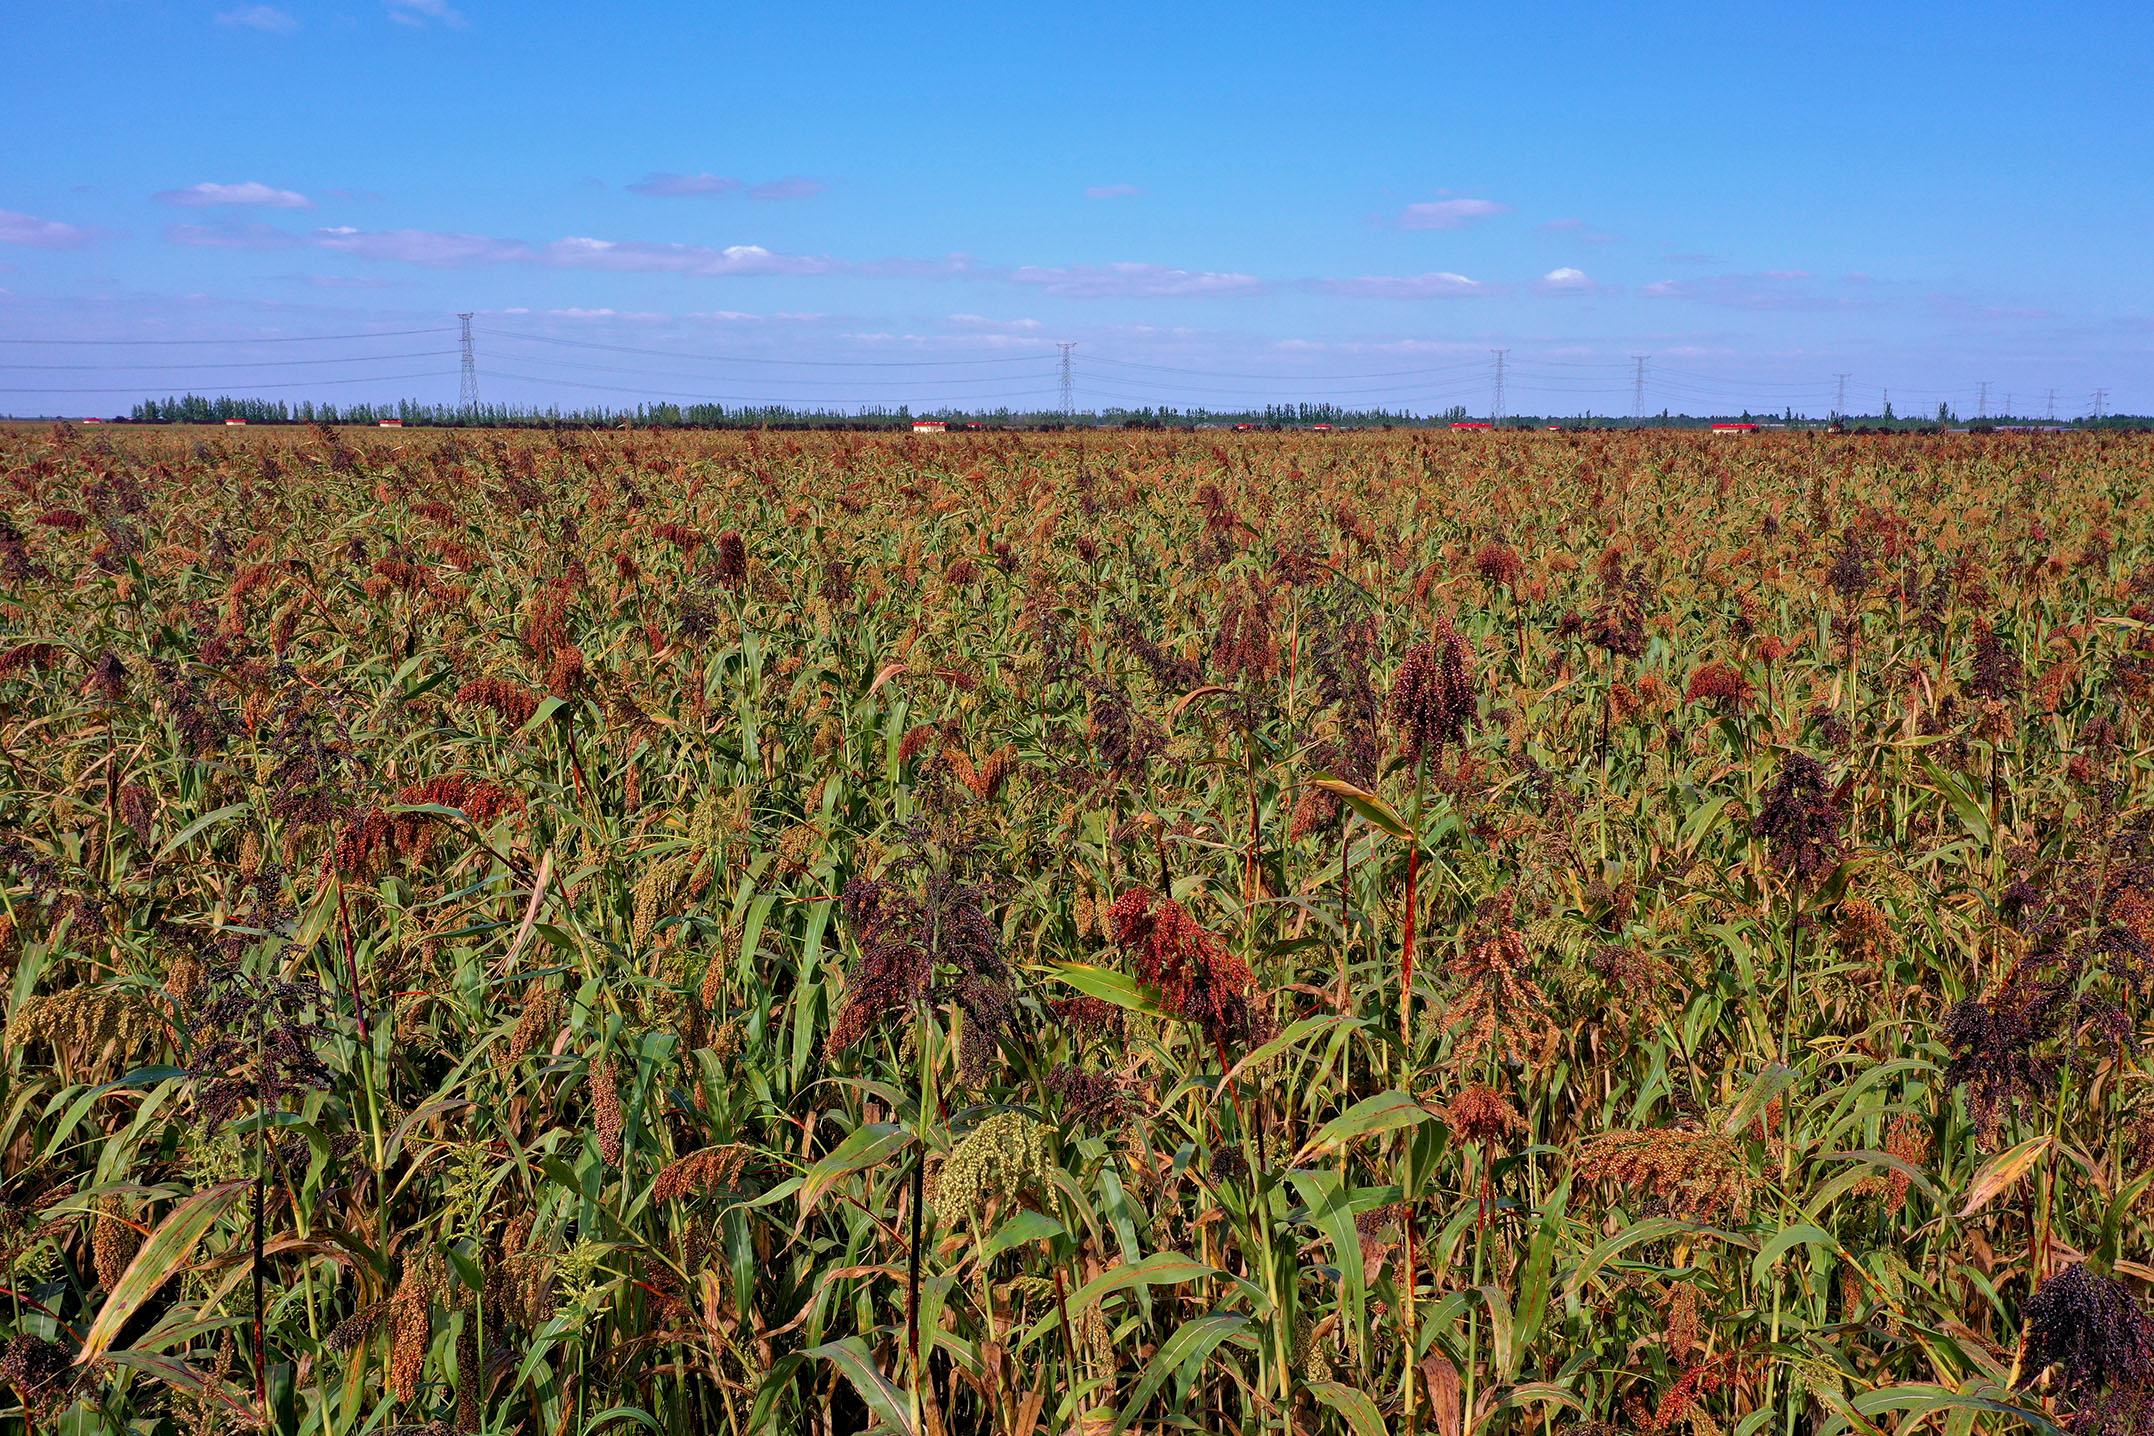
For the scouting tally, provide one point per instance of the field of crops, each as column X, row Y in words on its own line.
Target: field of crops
column 1075, row 933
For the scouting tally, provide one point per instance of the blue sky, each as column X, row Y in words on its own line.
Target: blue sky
column 1215, row 203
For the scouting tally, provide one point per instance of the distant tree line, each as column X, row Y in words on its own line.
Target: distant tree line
column 203, row 409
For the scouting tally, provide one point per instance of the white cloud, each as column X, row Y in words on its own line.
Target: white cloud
column 1567, row 280
column 266, row 18
column 421, row 13
column 981, row 324
column 1440, row 284
column 1449, row 213
column 249, row 192
column 1135, row 281
column 34, row 233
column 1112, row 191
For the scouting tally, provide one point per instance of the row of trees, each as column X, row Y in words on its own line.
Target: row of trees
column 202, row 409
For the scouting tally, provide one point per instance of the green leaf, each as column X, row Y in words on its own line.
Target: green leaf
column 876, row 1142
column 1158, row 1269
column 1362, row 1417
column 851, row 1357
column 1384, row 1112
column 1540, row 1265
column 1026, row 1226
column 542, row 714
column 194, row 829
column 1107, row 985
column 1922, row 1398
column 1332, row 1212
column 1193, row 1340
column 1374, row 810
column 160, row 1259
column 1783, row 1241
column 1960, row 794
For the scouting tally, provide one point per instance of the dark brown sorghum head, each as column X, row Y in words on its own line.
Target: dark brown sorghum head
column 108, row 678
column 1850, row 571
column 1800, row 819
column 730, row 563
column 2094, row 1331
column 1993, row 1044
column 1243, row 648
column 1432, row 698
column 1091, row 1099
column 1196, row 977
column 894, row 968
column 41, row 1373
column 1996, row 667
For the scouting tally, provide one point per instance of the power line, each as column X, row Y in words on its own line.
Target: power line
column 759, row 359
column 2052, row 406
column 1982, row 400
column 1495, row 415
column 1637, row 386
column 281, row 339
column 1069, row 401
column 742, row 399
column 234, row 364
column 467, row 392
column 295, row 384
column 1839, row 399
column 2101, row 401
column 1459, row 367
column 586, row 366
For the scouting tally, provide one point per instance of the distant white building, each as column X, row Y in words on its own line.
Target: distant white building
column 929, row 426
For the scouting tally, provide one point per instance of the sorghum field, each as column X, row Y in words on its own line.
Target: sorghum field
column 1350, row 933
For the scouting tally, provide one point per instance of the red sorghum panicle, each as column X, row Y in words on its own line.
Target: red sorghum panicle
column 1197, row 978
column 1432, row 698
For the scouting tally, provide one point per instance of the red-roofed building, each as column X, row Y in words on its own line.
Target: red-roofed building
column 392, row 424
column 929, row 426
column 1472, row 424
column 241, row 423
column 1735, row 428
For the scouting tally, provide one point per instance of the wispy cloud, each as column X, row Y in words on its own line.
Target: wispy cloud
column 232, row 236
column 1773, row 290
column 436, row 249
column 631, row 256
column 420, row 246
column 249, row 192
column 664, row 184
column 1135, row 281
column 1112, row 191
column 420, row 13
column 1439, row 284
column 1449, row 213
column 35, row 233
column 266, row 18
column 1579, row 230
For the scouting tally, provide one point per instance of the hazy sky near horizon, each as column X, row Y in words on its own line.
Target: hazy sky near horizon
column 1217, row 203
